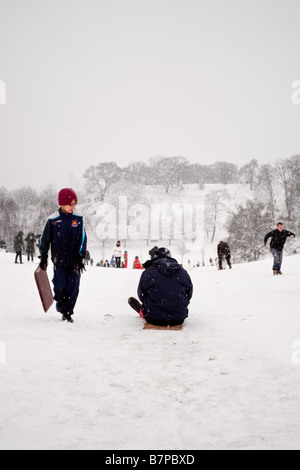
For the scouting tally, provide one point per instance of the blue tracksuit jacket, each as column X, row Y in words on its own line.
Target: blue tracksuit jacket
column 66, row 235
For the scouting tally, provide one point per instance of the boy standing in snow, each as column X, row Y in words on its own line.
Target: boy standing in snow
column 165, row 290
column 279, row 237
column 64, row 232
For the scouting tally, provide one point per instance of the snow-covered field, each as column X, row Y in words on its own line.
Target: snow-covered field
column 229, row 380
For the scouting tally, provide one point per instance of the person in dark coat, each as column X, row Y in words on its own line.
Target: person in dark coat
column 224, row 252
column 165, row 291
column 30, row 247
column 19, row 246
column 279, row 237
column 64, row 232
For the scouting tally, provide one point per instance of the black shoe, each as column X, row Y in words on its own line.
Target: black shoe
column 135, row 304
column 67, row 317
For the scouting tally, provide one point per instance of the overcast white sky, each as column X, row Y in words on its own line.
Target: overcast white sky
column 98, row 80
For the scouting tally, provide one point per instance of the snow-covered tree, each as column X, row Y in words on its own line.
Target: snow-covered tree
column 247, row 229
column 100, row 177
column 288, row 173
column 168, row 171
column 266, row 187
column 249, row 172
column 215, row 202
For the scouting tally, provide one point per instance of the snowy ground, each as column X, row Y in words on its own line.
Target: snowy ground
column 229, row 380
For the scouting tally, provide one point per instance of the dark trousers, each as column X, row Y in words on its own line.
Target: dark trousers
column 228, row 260
column 278, row 255
column 18, row 255
column 66, row 283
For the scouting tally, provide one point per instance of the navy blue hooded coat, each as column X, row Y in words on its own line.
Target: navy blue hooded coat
column 165, row 291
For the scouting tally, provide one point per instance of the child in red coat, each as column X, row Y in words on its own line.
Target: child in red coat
column 137, row 263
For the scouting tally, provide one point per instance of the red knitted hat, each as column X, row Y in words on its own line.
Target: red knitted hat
column 67, row 197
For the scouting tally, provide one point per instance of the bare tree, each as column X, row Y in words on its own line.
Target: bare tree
column 214, row 204
column 101, row 177
column 288, row 172
column 168, row 171
column 248, row 173
column 224, row 173
column 266, row 182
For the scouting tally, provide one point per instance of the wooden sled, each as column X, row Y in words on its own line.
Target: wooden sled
column 148, row 326
column 44, row 288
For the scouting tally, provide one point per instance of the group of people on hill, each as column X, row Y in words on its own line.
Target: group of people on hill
column 165, row 288
column 116, row 260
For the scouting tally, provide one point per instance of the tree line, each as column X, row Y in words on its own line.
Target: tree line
column 276, row 196
column 174, row 172
column 24, row 210
column 275, row 187
column 169, row 172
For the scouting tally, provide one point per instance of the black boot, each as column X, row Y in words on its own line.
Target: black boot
column 135, row 304
column 67, row 317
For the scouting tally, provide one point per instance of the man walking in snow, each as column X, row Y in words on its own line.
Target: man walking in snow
column 64, row 232
column 165, row 290
column 279, row 237
column 224, row 252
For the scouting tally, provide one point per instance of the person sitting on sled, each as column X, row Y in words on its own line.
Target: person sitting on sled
column 165, row 291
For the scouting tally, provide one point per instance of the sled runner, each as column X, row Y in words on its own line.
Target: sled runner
column 44, row 288
column 148, row 326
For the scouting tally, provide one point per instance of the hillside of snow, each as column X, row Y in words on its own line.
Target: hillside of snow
column 228, row 380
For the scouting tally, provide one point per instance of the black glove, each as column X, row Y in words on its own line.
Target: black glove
column 43, row 265
column 80, row 267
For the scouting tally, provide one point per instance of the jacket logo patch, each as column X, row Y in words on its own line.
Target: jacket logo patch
column 74, row 223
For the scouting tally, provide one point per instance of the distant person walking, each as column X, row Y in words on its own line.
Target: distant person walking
column 279, row 237
column 19, row 247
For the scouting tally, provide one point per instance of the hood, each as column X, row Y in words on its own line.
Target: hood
column 168, row 267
